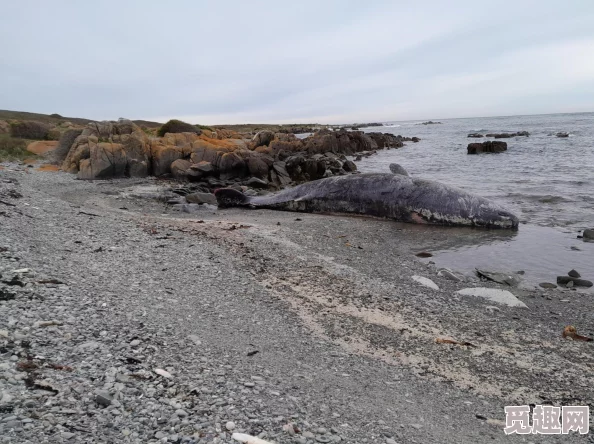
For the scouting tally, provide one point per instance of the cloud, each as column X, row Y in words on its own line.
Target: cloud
column 330, row 61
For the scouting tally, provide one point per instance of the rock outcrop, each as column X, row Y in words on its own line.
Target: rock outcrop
column 269, row 160
column 476, row 135
column 120, row 147
column 490, row 146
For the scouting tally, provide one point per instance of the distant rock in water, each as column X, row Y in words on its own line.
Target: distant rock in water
column 487, row 147
column 430, row 122
column 397, row 169
column 476, row 135
column 562, row 134
column 508, row 135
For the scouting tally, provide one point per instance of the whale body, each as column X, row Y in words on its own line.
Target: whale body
column 393, row 196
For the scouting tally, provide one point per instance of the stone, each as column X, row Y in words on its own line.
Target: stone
column 254, row 182
column 106, row 161
column 102, row 397
column 425, row 282
column 262, row 138
column 487, row 147
column 349, row 166
column 179, row 169
column 574, row 274
column 281, row 177
column 493, row 294
column 6, row 294
column 564, row 280
column 201, row 198
column 258, row 167
column 500, row 278
column 181, row 413
column 163, row 373
column 398, row 169
column 195, row 339
column 230, row 425
column 475, row 135
column 547, row 285
column 588, row 234
column 449, row 275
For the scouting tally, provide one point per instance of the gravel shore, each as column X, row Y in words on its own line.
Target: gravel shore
column 123, row 319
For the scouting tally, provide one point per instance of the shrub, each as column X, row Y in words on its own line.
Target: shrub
column 13, row 149
column 29, row 129
column 177, row 126
column 56, row 115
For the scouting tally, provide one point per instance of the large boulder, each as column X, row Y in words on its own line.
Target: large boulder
column 279, row 175
column 4, row 127
column 106, row 160
column 490, row 146
column 258, row 167
column 64, row 144
column 179, row 169
column 386, row 140
column 232, row 165
column 125, row 134
column 262, row 138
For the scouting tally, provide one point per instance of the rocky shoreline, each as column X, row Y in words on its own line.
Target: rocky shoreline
column 125, row 320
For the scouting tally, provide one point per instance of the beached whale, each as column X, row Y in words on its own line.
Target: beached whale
column 392, row 196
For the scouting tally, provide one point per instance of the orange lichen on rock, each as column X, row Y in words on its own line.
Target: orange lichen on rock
column 29, row 161
column 42, row 146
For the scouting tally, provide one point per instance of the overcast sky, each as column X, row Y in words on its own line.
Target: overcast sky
column 327, row 61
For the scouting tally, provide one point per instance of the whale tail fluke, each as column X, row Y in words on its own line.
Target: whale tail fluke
column 228, row 197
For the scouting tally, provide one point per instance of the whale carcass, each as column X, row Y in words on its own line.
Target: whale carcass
column 392, row 196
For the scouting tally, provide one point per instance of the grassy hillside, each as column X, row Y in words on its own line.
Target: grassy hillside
column 56, row 119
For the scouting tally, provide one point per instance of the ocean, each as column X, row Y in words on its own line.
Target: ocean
column 546, row 180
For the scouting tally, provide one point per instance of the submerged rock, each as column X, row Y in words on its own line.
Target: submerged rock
column 500, row 278
column 588, row 234
column 476, row 135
